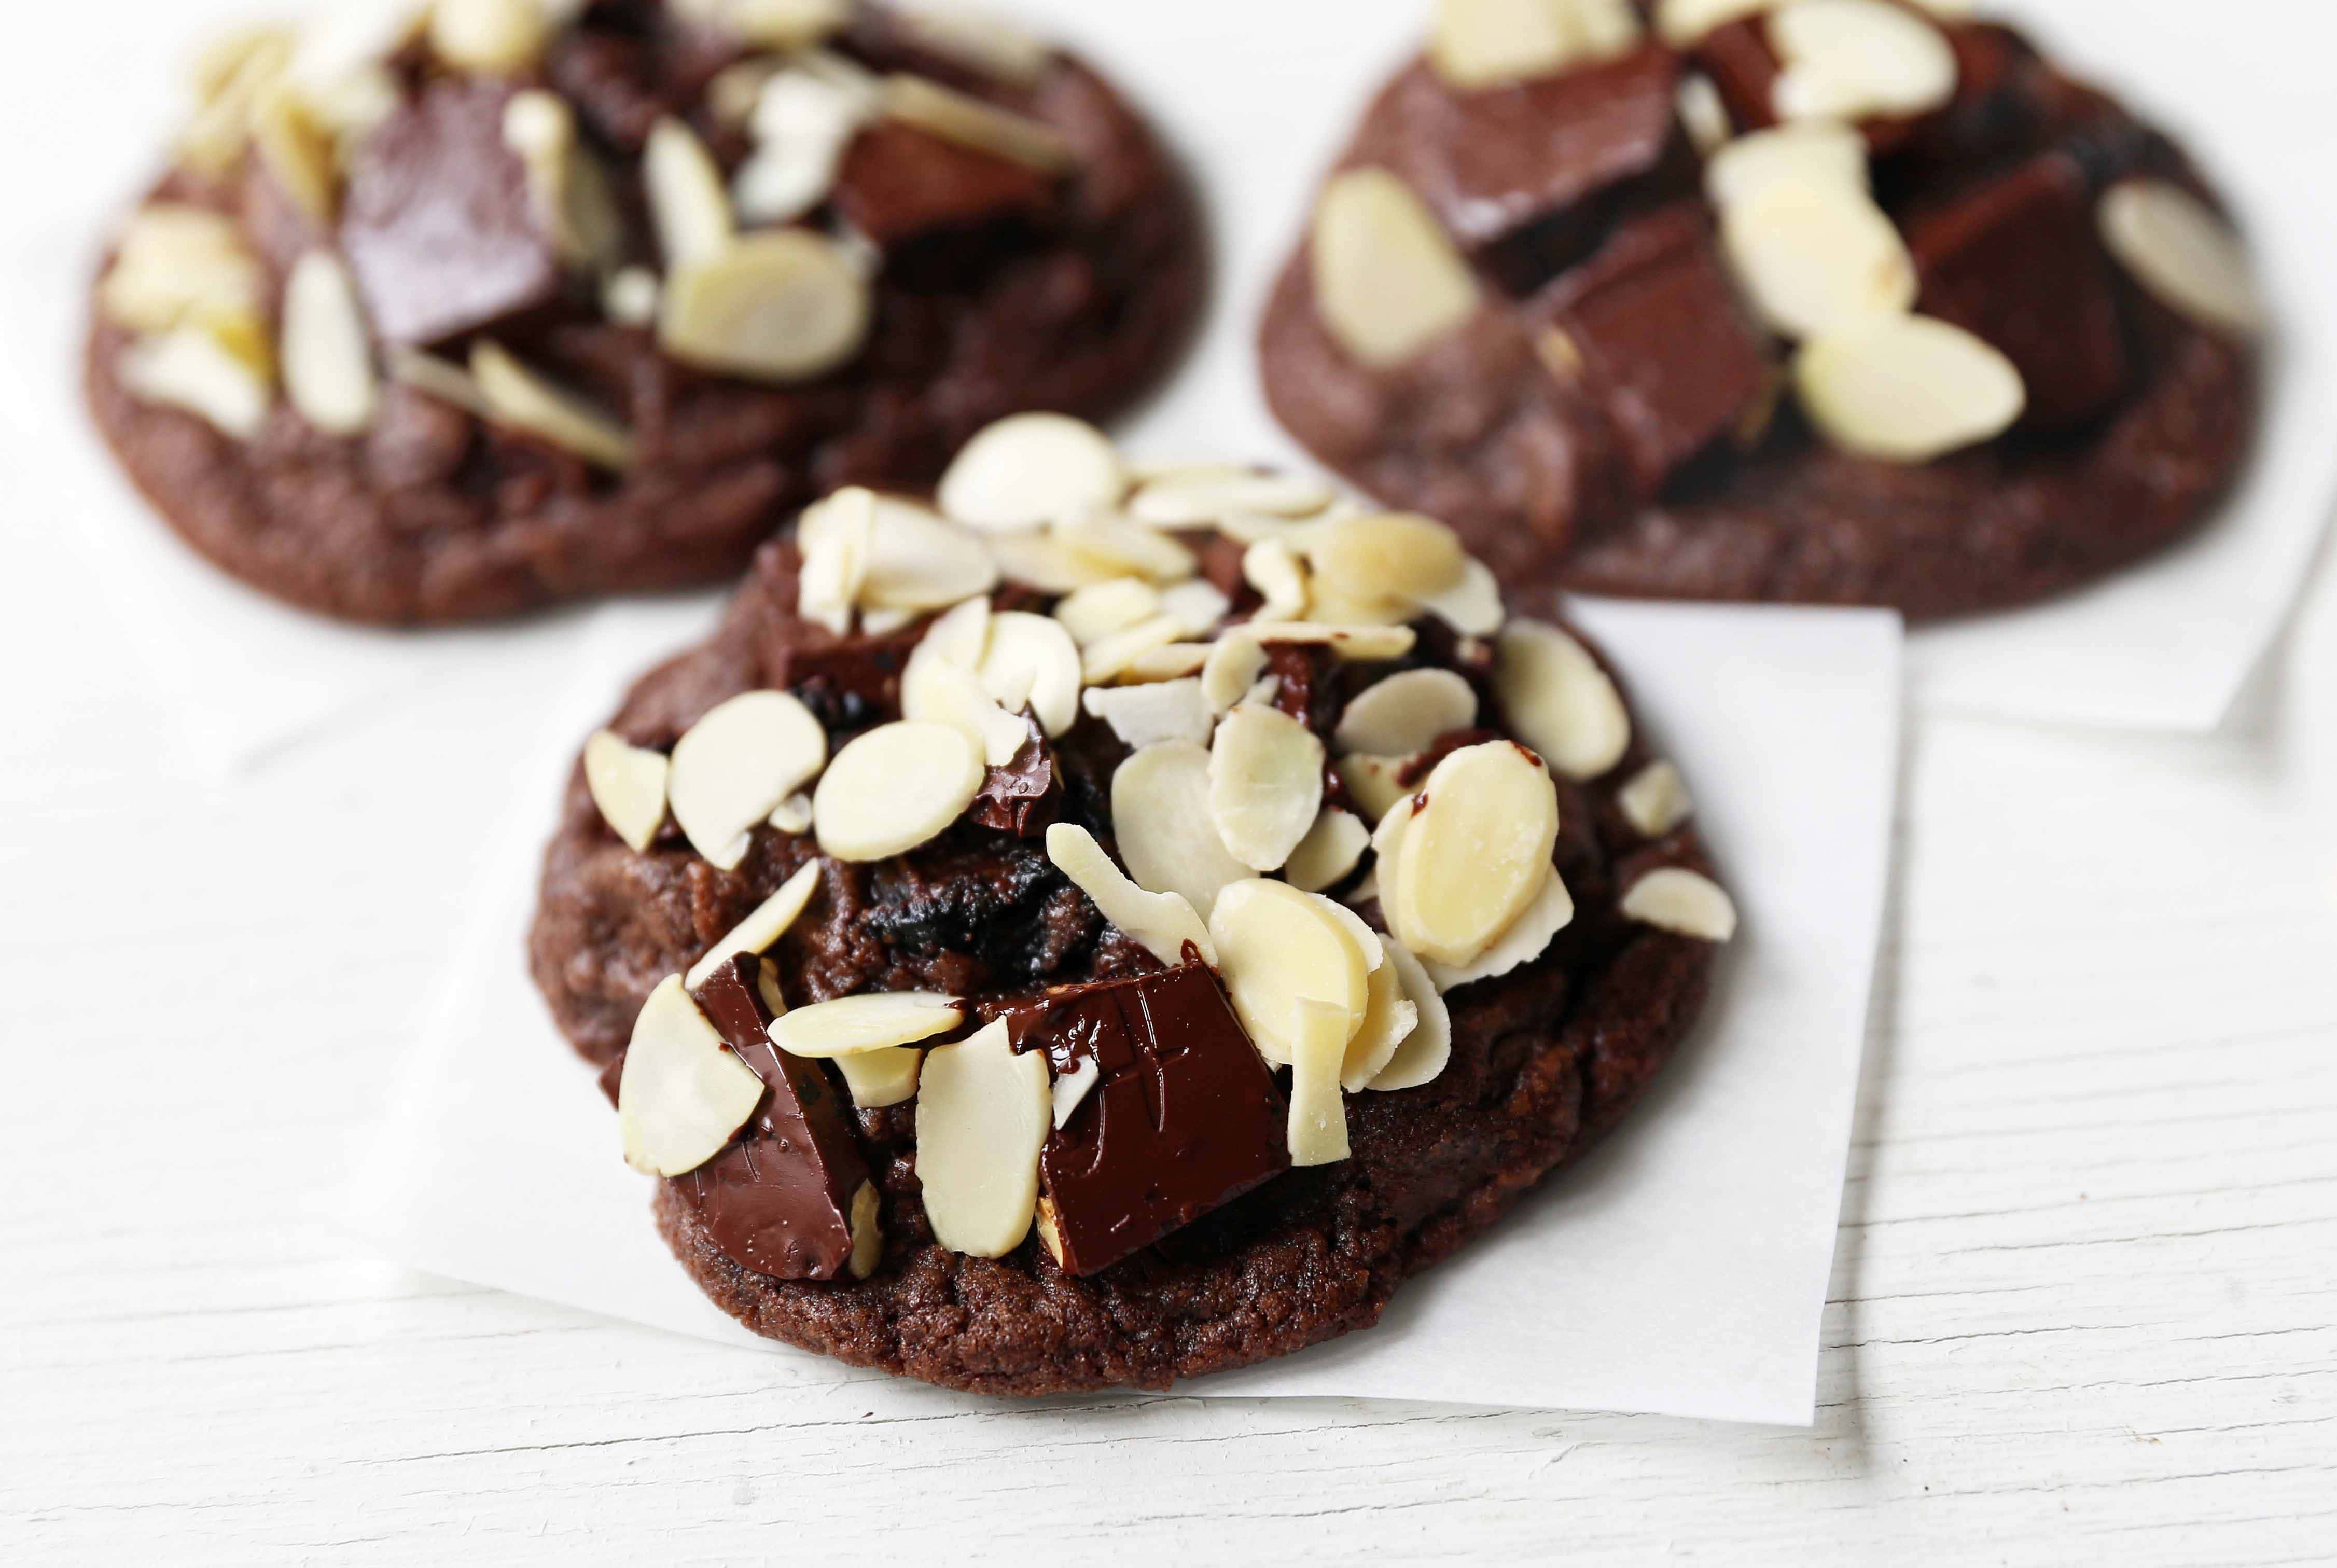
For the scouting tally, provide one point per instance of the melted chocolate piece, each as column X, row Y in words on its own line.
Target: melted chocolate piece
column 438, row 224
column 850, row 682
column 1302, row 673
column 1185, row 1118
column 1661, row 346
column 778, row 1201
column 1025, row 797
column 899, row 184
column 2019, row 263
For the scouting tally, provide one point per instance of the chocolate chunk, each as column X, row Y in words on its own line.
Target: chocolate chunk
column 437, row 222
column 1524, row 177
column 899, row 183
column 2019, row 263
column 850, row 682
column 1025, row 797
column 1651, row 329
column 1302, row 678
column 780, row 1199
column 1185, row 1116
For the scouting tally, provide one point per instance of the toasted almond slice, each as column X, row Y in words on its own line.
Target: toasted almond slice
column 1177, row 661
column 1330, row 850
column 489, row 37
column 1703, row 114
column 919, row 561
column 1559, row 699
column 1388, row 1023
column 1109, row 658
column 770, row 24
column 783, row 306
column 1373, row 783
column 1265, row 784
column 1683, row 22
column 1473, row 606
column 973, row 122
column 1422, row 1056
column 1385, row 555
column 1482, row 43
column 1277, row 945
column 1907, row 388
column 434, row 377
column 628, row 785
column 1094, row 612
column 1151, row 714
column 738, row 763
column 1318, row 1114
column 1474, row 855
column 2183, row 253
column 880, row 1078
column 1236, row 662
column 803, row 123
column 1030, row 469
column 1353, row 645
column 760, row 931
column 943, row 694
column 876, row 1021
column 221, row 130
column 792, row 816
column 1043, row 563
column 1812, row 257
column 1858, row 59
column 1407, row 712
column 1200, row 497
column 1388, row 281
column 867, row 1232
column 1682, row 901
column 1074, row 1087
column 518, row 396
column 1821, row 154
column 1168, row 835
column 176, row 265
column 1198, row 604
column 894, row 787
column 837, row 537
column 1114, row 543
column 296, row 151
column 1655, row 800
column 983, row 1112
column 1526, row 939
column 328, row 374
column 1031, row 660
column 1163, row 924
column 687, row 203
column 980, row 40
column 681, row 1095
column 1273, row 567
column 961, row 635
column 190, row 368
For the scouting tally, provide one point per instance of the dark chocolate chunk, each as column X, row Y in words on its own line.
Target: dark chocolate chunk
column 899, row 183
column 850, row 682
column 438, row 224
column 778, row 1201
column 1651, row 330
column 1025, row 797
column 2019, row 263
column 1185, row 1116
column 1301, row 678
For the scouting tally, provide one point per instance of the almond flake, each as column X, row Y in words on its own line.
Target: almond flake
column 983, row 1112
column 770, row 24
column 880, row 1078
column 178, row 265
column 760, row 931
column 1560, row 700
column 1388, row 281
column 781, row 305
column 1812, row 257
column 628, row 785
column 1115, row 544
column 1818, row 153
column 1236, row 662
column 1907, row 388
column 681, row 1095
column 1161, row 815
column 1526, row 939
column 1373, row 783
column 1484, row 43
column 1043, row 563
column 1703, row 114
column 738, row 763
column 1073, row 1087
column 1175, row 662
column 1265, row 784
column 1027, row 470
column 687, row 203
column 1198, row 604
column 1683, row 902
column 1094, row 612
column 1683, row 22
column 488, row 37
column 1858, row 59
column 1032, row 661
column 971, row 121
column 876, row 1021
column 1147, row 715
column 190, row 368
column 1274, row 570
column 1388, row 1021
column 1407, row 712
column 792, row 816
column 1319, row 1113
column 1163, row 924
column 804, row 123
column 1473, row 606
column 1655, row 800
column 1473, row 855
column 1109, row 658
column 1352, row 644
column 979, row 40
column 2180, row 252
column 1330, row 851
column 918, row 561
column 517, row 397
column 1422, row 1056
column 629, row 298
column 328, row 355
column 1198, row 498
column 836, row 538
column 1276, row 947
column 893, row 789
column 943, row 693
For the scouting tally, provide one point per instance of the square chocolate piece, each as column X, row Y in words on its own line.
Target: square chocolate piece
column 438, row 222
column 1184, row 1118
column 899, row 184
column 1650, row 330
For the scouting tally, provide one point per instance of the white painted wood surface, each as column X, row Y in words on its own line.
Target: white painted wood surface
column 2085, row 1309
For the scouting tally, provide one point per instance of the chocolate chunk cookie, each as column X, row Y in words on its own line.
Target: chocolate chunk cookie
column 487, row 311
column 1839, row 301
column 1047, row 955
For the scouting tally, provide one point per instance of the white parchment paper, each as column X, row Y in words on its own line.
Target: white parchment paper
column 1680, row 1270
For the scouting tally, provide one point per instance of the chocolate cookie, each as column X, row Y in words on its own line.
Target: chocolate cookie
column 882, row 913
column 1838, row 301
column 486, row 312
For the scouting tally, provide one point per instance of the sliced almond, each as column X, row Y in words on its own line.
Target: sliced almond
column 1407, row 712
column 190, row 368
column 213, row 143
column 1812, row 257
column 176, row 265
column 1703, row 114
column 517, row 397
column 1907, row 388
column 1526, row 939
column 945, row 694
column 1330, row 851
column 1374, row 783
column 1655, row 800
column 1094, row 612
column 1116, row 544
column 983, row 1112
column 1422, row 1056
column 1388, row 281
column 961, row 635
column 880, row 1078
column 970, row 122
column 1272, row 568
column 1265, row 784
column 1073, row 1087
column 681, row 1095
column 541, row 127
column 1109, row 658
column 489, row 37
column 1683, row 22
column 1030, row 469
column 771, row 24
column 628, row 785
column 792, row 816
column 1276, row 947
column 1388, row 1023
column 760, row 931
column 1473, row 606
column 1163, row 924
column 1352, row 644
column 687, row 203
column 1198, row 604
column 803, row 123
column 1161, row 815
column 630, row 297
column 837, row 537
column 434, row 377
column 1236, row 662
column 222, row 58
column 784, row 305
column 738, row 763
column 1560, row 700
column 1149, row 715
column 2188, row 257
column 980, row 40
column 1319, row 1113
column 1199, row 497
column 1482, row 43
column 1821, row 154
column 894, row 787
column 1681, row 901
column 1474, row 855
column 328, row 355
column 296, row 151
column 1043, row 563
column 919, row 561
column 877, row 1021
column 1032, row 661
column 1177, row 661
column 1858, row 59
